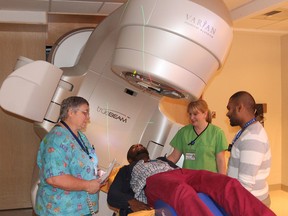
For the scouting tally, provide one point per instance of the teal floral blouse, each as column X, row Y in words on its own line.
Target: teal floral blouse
column 60, row 154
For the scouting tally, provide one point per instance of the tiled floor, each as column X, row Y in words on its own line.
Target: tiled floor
column 279, row 204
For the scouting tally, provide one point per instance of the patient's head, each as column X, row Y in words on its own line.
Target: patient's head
column 137, row 152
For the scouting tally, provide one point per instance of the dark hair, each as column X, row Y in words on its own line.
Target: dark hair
column 246, row 99
column 73, row 103
column 202, row 106
column 133, row 156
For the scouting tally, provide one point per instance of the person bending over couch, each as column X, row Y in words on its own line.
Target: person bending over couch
column 161, row 179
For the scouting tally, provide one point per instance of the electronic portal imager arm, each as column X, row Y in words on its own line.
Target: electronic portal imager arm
column 28, row 90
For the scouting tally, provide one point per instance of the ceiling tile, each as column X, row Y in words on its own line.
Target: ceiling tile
column 278, row 26
column 28, row 5
column 252, row 23
column 232, row 4
column 277, row 14
column 75, row 7
column 108, row 8
column 247, row 14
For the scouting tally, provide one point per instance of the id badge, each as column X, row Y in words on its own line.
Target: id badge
column 190, row 156
column 94, row 159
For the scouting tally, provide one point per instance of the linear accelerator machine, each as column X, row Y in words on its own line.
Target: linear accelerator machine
column 144, row 53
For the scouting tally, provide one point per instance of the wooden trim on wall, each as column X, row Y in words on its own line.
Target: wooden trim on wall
column 72, row 18
column 284, row 188
column 275, row 187
column 8, row 27
column 278, row 187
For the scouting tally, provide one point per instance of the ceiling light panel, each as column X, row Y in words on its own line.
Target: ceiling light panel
column 75, row 7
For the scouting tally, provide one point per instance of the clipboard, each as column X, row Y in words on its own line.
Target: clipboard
column 106, row 174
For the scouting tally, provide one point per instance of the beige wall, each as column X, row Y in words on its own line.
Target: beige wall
column 253, row 65
column 285, row 113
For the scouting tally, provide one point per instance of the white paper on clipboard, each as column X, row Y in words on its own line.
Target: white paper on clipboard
column 108, row 172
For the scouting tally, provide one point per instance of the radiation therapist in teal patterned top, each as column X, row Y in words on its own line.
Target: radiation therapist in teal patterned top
column 67, row 163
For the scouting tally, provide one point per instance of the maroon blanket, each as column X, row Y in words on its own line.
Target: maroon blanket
column 179, row 188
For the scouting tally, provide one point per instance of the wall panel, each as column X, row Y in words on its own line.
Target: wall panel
column 284, row 112
column 19, row 143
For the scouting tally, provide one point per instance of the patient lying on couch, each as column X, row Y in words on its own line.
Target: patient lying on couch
column 161, row 179
column 120, row 195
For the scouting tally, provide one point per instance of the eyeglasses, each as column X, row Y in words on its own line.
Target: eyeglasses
column 85, row 112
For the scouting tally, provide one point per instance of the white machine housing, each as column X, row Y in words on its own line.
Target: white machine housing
column 172, row 49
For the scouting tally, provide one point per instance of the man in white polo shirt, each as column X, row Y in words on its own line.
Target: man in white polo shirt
column 250, row 157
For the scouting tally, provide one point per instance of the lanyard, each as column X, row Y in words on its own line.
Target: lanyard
column 80, row 141
column 240, row 132
column 193, row 141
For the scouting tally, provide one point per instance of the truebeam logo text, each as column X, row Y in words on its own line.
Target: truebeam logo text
column 113, row 114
